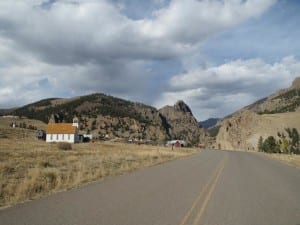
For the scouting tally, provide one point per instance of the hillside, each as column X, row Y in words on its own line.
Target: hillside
column 90, row 105
column 286, row 100
column 103, row 115
column 25, row 128
column 267, row 117
column 6, row 111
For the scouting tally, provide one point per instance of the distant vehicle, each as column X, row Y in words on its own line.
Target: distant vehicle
column 176, row 143
column 85, row 138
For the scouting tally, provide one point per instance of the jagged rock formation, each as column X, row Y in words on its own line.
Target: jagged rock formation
column 182, row 123
column 180, row 106
column 264, row 118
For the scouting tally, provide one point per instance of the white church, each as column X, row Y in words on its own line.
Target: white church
column 63, row 132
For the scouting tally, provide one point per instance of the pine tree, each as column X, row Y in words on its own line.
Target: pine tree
column 270, row 145
column 260, row 144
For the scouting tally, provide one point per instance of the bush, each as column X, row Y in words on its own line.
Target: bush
column 64, row 146
column 270, row 145
column 286, row 144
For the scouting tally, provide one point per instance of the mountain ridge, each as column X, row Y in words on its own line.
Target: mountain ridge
column 104, row 115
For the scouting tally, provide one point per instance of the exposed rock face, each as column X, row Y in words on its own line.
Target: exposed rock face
column 235, row 131
column 296, row 83
column 243, row 129
column 180, row 106
column 124, row 128
column 264, row 118
column 182, row 124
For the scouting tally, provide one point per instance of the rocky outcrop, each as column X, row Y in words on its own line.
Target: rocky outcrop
column 267, row 117
column 180, row 106
column 129, row 128
column 243, row 130
column 170, row 122
column 182, row 124
column 236, row 130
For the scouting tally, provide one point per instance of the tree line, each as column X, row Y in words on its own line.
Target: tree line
column 288, row 142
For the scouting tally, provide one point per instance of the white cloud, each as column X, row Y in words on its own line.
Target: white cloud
column 26, row 81
column 189, row 22
column 92, row 30
column 83, row 46
column 219, row 90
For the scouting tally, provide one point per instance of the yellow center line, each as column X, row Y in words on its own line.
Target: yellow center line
column 208, row 197
column 215, row 174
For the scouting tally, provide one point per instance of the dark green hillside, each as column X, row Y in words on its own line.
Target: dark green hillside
column 90, row 105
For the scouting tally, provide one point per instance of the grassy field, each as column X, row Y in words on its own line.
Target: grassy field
column 30, row 169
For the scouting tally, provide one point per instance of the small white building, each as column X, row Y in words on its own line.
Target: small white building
column 63, row 132
column 176, row 143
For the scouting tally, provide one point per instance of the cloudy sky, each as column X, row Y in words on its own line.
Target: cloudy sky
column 216, row 55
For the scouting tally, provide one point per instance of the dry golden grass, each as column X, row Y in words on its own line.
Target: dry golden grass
column 30, row 168
column 293, row 160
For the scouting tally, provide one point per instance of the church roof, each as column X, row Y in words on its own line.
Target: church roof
column 61, row 128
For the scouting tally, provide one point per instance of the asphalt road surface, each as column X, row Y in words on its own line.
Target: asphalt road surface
column 209, row 188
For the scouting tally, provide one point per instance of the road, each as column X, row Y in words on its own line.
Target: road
column 209, row 188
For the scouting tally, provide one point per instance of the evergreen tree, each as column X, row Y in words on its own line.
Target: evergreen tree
column 260, row 144
column 295, row 141
column 295, row 137
column 270, row 145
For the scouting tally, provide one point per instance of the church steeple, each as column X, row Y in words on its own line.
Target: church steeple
column 75, row 122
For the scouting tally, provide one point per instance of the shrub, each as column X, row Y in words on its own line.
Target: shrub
column 270, row 145
column 286, row 144
column 64, row 146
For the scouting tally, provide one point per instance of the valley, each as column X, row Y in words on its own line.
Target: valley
column 31, row 168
